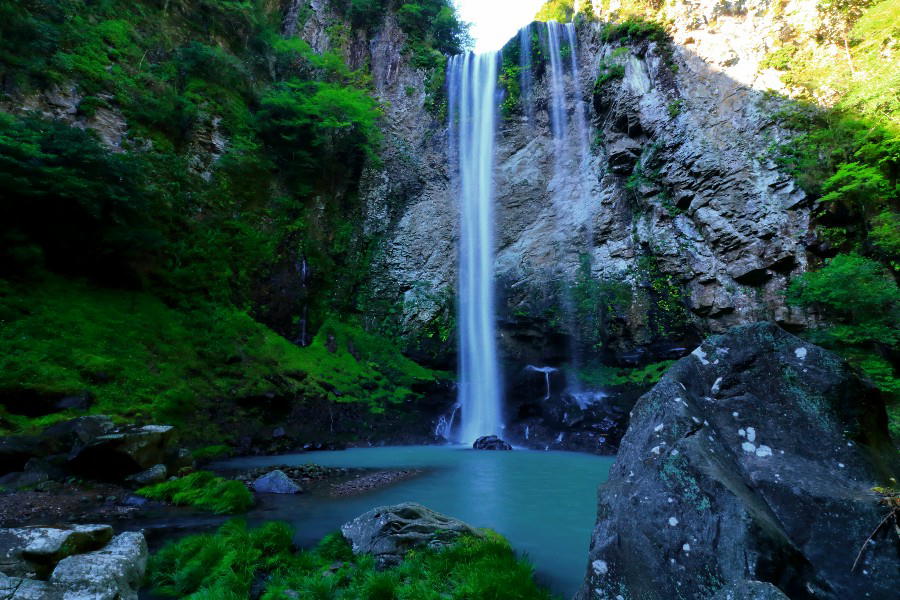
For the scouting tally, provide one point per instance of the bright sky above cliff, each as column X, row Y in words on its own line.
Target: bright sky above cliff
column 495, row 21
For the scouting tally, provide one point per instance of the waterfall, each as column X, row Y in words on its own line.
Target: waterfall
column 444, row 427
column 570, row 162
column 472, row 80
column 546, row 371
column 581, row 128
column 525, row 76
column 557, row 87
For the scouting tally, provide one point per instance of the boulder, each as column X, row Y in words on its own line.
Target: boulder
column 753, row 459
column 20, row 588
column 491, row 442
column 276, row 482
column 750, row 590
column 35, row 551
column 389, row 532
column 70, row 435
column 155, row 474
column 112, row 573
column 16, row 450
column 117, row 455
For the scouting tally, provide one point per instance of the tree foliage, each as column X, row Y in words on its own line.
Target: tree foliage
column 860, row 303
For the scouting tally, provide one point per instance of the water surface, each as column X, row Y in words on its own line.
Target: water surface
column 543, row 502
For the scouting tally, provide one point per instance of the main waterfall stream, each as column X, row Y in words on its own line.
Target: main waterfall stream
column 472, row 81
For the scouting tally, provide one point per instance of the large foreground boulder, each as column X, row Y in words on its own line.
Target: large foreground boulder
column 752, row 460
column 389, row 532
column 81, row 562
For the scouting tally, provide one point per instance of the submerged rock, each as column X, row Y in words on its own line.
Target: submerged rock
column 491, row 442
column 753, row 459
column 389, row 532
column 276, row 482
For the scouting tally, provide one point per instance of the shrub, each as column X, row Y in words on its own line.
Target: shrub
column 203, row 490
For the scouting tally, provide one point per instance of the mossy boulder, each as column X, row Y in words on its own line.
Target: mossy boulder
column 753, row 459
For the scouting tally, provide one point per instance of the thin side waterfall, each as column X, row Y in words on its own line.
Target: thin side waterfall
column 557, row 88
column 571, row 156
column 473, row 106
column 581, row 128
column 525, row 78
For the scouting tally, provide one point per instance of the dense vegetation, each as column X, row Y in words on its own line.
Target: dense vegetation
column 226, row 563
column 141, row 263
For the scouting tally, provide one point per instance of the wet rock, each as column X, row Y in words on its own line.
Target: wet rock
column 389, row 532
column 491, row 442
column 155, row 474
column 276, row 482
column 112, row 573
column 70, row 435
column 752, row 459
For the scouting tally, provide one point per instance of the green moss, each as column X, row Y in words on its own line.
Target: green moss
column 211, row 452
column 224, row 564
column 202, row 490
column 604, row 376
column 143, row 359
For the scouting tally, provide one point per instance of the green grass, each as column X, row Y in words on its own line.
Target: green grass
column 211, row 452
column 140, row 358
column 202, row 490
column 224, row 564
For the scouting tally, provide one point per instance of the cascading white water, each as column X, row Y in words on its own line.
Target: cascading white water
column 571, row 158
column 472, row 80
column 581, row 129
column 525, row 76
column 557, row 88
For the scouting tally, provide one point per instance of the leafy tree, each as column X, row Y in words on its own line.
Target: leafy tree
column 316, row 126
column 838, row 19
column 62, row 190
column 556, row 10
column 857, row 295
column 860, row 301
column 856, row 185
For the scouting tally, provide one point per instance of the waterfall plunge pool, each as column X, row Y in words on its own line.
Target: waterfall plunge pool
column 543, row 502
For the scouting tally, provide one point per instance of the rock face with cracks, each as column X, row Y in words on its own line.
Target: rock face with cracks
column 389, row 532
column 753, row 459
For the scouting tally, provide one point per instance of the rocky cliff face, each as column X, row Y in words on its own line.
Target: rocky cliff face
column 677, row 173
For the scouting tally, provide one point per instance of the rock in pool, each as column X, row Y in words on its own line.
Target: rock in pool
column 491, row 442
column 389, row 532
column 276, row 482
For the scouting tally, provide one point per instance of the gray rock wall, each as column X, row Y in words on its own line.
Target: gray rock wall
column 717, row 214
